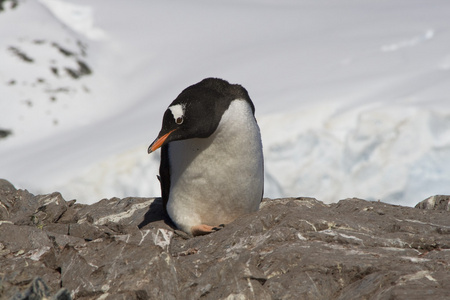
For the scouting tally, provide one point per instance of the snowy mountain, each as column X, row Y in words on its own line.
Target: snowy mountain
column 352, row 97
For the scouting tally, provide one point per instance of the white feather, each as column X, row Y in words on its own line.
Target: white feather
column 177, row 111
column 216, row 179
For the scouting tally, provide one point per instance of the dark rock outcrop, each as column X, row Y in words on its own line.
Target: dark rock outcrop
column 438, row 202
column 297, row 248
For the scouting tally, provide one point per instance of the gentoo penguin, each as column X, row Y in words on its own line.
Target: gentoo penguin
column 211, row 169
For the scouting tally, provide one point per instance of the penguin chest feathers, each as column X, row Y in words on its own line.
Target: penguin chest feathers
column 216, row 179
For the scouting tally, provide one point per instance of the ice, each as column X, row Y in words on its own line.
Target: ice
column 376, row 158
column 352, row 97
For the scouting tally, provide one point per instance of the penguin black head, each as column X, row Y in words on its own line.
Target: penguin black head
column 197, row 111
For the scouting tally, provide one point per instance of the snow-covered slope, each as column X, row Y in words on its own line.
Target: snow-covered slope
column 352, row 96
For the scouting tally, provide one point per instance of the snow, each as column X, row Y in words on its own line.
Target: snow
column 77, row 17
column 351, row 96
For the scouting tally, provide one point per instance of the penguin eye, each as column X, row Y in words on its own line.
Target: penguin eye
column 179, row 120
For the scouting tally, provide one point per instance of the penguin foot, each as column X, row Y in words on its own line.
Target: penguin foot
column 218, row 227
column 203, row 229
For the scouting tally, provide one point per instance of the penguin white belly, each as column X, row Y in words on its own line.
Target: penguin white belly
column 214, row 180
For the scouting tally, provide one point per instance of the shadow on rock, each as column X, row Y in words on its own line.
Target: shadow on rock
column 155, row 213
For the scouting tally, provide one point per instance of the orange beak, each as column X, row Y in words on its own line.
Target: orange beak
column 159, row 142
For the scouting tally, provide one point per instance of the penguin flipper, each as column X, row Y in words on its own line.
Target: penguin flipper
column 164, row 175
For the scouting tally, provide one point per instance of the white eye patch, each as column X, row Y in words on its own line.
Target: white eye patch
column 177, row 112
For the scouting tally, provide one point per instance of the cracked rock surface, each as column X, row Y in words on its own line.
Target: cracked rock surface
column 292, row 248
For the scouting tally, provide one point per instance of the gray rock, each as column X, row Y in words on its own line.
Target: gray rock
column 293, row 248
column 438, row 202
column 22, row 208
column 39, row 290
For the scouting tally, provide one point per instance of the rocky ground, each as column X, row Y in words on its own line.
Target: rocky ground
column 293, row 248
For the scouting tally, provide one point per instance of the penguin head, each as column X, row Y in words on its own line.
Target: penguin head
column 197, row 111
